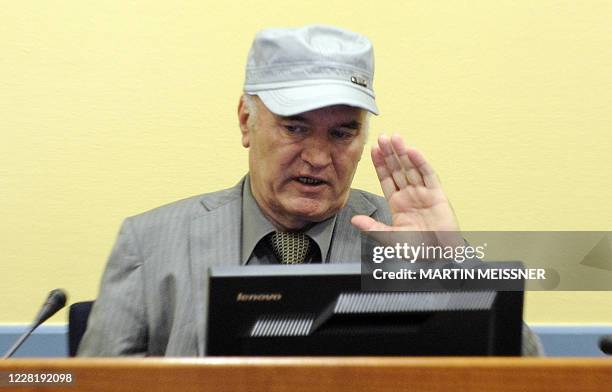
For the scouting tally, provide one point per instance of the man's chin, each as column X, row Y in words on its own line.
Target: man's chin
column 309, row 210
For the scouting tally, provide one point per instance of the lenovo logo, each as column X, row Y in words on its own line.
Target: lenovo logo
column 241, row 297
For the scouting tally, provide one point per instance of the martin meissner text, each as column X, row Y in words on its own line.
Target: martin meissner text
column 463, row 274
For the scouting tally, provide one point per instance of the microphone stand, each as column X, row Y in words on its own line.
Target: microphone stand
column 19, row 342
column 55, row 301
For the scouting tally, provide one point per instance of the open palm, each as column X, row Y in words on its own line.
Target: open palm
column 412, row 189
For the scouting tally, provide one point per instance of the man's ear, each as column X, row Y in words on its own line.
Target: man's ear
column 243, row 118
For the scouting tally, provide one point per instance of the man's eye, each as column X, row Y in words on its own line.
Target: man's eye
column 342, row 134
column 295, row 129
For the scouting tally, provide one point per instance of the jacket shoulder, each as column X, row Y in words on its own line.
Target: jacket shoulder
column 185, row 209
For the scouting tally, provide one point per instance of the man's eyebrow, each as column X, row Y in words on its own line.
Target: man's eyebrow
column 294, row 118
column 353, row 124
column 350, row 125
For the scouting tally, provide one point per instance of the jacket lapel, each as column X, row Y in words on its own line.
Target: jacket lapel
column 214, row 240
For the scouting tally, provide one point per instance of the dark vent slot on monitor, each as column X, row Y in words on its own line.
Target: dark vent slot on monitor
column 282, row 325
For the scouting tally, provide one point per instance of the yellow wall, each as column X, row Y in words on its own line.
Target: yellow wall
column 111, row 108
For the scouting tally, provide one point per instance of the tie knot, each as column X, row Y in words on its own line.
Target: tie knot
column 290, row 248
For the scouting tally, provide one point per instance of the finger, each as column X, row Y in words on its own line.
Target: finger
column 392, row 162
column 412, row 173
column 386, row 181
column 429, row 175
column 366, row 223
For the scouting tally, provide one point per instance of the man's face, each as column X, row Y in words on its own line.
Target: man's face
column 302, row 166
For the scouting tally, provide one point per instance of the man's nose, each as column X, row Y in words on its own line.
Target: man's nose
column 317, row 153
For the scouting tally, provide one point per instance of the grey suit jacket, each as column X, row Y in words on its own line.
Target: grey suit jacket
column 153, row 294
column 152, row 298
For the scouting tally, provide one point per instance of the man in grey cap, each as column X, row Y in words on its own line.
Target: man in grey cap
column 303, row 116
column 304, row 119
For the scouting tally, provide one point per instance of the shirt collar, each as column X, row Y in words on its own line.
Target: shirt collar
column 255, row 226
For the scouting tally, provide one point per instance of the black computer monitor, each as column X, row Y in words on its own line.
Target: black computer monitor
column 320, row 310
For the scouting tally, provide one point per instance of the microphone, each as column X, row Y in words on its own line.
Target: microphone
column 55, row 301
column 605, row 344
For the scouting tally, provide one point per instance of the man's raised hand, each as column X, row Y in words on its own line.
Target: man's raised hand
column 413, row 191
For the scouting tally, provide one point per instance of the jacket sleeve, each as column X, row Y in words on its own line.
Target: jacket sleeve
column 117, row 323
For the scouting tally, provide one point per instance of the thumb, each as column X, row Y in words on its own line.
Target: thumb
column 366, row 223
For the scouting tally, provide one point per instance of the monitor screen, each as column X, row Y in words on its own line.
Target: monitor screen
column 320, row 309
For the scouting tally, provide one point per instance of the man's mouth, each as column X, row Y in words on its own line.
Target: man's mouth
column 310, row 181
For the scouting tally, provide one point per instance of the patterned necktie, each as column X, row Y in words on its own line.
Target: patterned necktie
column 290, row 248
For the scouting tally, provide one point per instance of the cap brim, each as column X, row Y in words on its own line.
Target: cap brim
column 293, row 100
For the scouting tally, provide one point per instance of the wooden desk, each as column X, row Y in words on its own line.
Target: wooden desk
column 320, row 374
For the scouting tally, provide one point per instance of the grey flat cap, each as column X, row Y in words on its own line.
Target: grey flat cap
column 294, row 70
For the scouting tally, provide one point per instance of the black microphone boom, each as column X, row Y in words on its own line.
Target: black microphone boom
column 55, row 301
